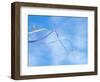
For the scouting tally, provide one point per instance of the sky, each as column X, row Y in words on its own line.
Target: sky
column 57, row 40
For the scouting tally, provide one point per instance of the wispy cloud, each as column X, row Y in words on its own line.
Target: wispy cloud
column 77, row 57
column 38, row 30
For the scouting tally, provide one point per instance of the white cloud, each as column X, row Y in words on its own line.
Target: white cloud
column 32, row 36
column 38, row 30
column 80, row 42
column 38, row 34
column 55, row 19
column 33, row 59
column 58, row 52
column 51, row 38
column 77, row 57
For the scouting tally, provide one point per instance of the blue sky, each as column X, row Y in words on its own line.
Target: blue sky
column 57, row 40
